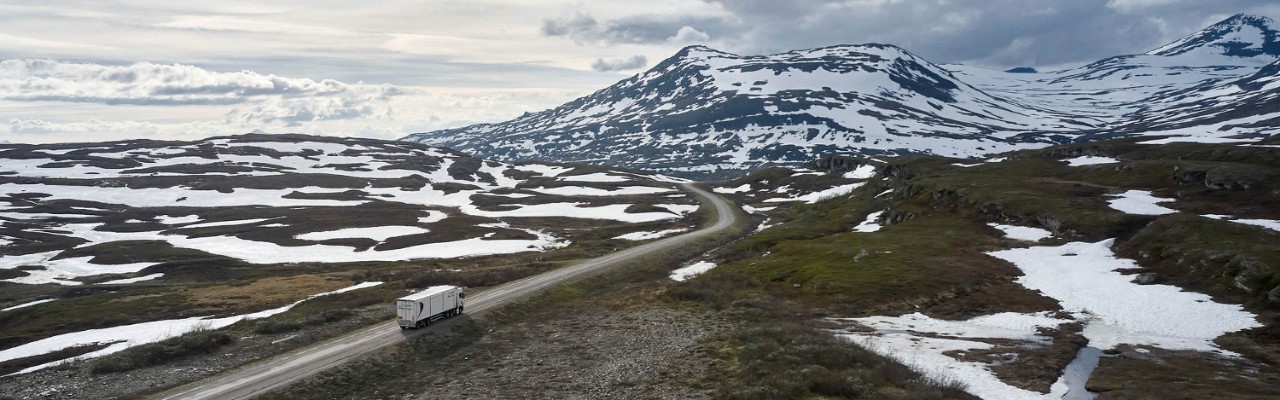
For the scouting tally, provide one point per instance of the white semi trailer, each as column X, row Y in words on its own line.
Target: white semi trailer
column 437, row 302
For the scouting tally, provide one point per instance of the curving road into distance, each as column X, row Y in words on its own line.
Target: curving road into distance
column 260, row 377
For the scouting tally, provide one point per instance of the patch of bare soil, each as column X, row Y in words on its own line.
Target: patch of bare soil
column 596, row 353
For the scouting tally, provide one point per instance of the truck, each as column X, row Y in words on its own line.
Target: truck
column 437, row 302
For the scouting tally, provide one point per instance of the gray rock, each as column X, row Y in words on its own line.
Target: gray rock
column 1148, row 278
column 1273, row 296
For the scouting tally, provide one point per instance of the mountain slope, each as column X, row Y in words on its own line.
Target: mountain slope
column 1015, row 274
column 703, row 110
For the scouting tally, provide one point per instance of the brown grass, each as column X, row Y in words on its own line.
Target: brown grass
column 263, row 293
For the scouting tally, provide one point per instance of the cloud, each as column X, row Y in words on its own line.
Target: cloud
column 156, row 84
column 637, row 29
column 1131, row 5
column 42, row 127
column 688, row 35
column 239, row 24
column 622, row 64
column 992, row 33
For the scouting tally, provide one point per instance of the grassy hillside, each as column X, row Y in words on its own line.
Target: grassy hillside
column 930, row 256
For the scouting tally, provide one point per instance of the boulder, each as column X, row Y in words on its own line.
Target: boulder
column 1148, row 278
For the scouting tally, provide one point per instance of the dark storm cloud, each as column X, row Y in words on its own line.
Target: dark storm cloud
column 998, row 33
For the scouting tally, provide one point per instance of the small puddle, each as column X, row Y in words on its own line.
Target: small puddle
column 1077, row 373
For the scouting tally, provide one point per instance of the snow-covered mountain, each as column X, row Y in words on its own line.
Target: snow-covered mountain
column 704, row 110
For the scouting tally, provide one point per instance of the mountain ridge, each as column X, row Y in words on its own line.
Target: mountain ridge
column 705, row 112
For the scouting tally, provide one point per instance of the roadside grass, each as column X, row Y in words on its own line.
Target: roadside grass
column 190, row 344
column 18, row 364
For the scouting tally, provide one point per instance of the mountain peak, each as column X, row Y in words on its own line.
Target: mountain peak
column 1241, row 35
column 700, row 51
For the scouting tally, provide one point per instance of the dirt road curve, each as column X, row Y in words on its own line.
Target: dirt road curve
column 260, row 377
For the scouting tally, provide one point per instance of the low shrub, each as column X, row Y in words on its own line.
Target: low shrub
column 198, row 342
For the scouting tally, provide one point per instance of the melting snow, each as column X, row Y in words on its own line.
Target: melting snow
column 132, row 280
column 1083, row 277
column 745, row 187
column 683, row 274
column 378, row 233
column 1140, row 202
column 1022, row 232
column 225, row 223
column 432, row 217
column 820, row 195
column 869, row 225
column 27, row 304
column 61, row 271
column 589, row 191
column 1090, row 160
column 168, row 220
column 123, row 337
column 897, row 337
column 644, row 235
column 1265, row 223
column 596, row 177
column 863, row 172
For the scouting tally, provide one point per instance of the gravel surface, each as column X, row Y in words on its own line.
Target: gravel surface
column 75, row 382
column 593, row 354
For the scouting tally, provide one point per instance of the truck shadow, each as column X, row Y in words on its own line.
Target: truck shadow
column 439, row 326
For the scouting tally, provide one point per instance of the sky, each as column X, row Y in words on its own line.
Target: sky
column 96, row 70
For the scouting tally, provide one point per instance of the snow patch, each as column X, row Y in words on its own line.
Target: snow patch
column 820, row 195
column 745, row 187
column 27, row 304
column 863, row 172
column 870, row 224
column 644, row 235
column 1140, row 202
column 683, row 274
column 1022, row 232
column 377, row 233
column 132, row 280
column 1090, row 160
column 1083, row 278
column 901, row 338
column 1265, row 223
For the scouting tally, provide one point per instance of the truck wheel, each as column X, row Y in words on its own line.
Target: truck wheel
column 422, row 323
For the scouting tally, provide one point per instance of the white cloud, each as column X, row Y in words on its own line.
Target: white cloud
column 688, row 35
column 230, row 23
column 621, row 64
column 171, row 101
column 27, row 42
column 147, row 83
